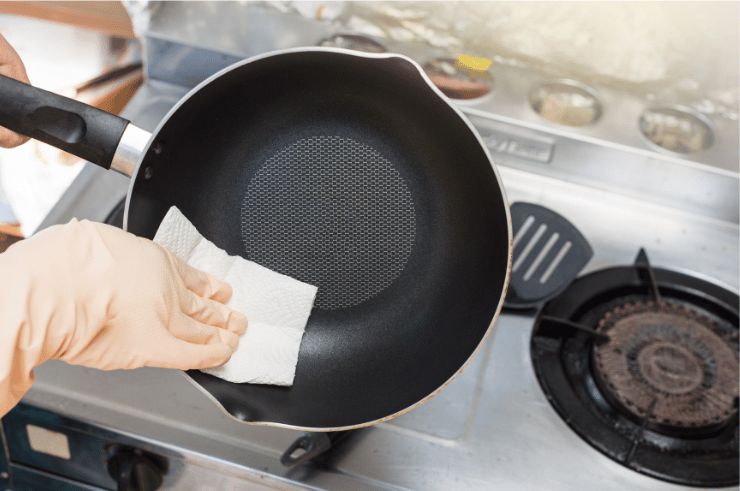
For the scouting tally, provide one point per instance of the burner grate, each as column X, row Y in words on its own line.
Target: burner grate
column 642, row 363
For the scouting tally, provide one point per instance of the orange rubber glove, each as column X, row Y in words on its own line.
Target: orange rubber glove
column 94, row 295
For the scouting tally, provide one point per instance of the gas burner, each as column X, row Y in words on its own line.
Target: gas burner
column 667, row 364
column 353, row 41
column 642, row 363
column 459, row 80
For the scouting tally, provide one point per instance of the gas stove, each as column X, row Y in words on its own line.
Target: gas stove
column 562, row 398
column 642, row 363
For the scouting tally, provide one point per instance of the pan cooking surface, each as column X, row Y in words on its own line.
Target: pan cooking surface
column 353, row 175
column 333, row 212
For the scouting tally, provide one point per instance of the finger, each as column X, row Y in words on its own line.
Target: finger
column 229, row 338
column 187, row 356
column 204, row 310
column 238, row 323
column 11, row 64
column 212, row 313
column 209, row 355
column 11, row 139
column 188, row 329
column 202, row 283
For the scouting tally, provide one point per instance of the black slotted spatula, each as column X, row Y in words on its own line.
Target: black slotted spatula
column 549, row 252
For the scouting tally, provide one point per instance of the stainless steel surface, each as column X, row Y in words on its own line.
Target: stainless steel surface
column 566, row 102
column 129, row 151
column 611, row 153
column 677, row 129
column 245, row 29
column 492, row 427
column 647, row 176
column 618, row 124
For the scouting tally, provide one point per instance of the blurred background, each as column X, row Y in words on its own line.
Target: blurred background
column 76, row 49
column 678, row 58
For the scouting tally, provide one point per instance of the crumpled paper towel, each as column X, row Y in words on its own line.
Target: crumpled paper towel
column 277, row 306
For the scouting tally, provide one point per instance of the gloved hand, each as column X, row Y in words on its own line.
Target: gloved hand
column 94, row 295
column 11, row 66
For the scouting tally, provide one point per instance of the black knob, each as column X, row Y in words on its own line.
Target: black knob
column 134, row 470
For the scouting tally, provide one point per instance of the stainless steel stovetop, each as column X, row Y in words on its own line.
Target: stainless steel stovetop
column 492, row 427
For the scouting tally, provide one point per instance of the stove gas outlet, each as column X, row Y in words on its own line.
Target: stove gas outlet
column 136, row 470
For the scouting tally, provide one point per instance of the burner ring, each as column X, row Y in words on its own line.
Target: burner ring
column 668, row 364
column 670, row 367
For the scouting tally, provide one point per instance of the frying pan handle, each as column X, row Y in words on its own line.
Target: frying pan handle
column 65, row 123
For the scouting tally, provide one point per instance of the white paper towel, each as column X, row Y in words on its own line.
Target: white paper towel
column 277, row 306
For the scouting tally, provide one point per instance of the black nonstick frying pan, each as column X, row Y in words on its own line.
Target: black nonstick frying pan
column 346, row 170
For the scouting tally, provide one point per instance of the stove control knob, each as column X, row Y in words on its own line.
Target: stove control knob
column 136, row 470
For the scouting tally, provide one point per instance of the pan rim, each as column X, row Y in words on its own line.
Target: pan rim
column 460, row 114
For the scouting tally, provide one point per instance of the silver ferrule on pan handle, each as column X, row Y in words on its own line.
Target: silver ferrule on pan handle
column 130, row 149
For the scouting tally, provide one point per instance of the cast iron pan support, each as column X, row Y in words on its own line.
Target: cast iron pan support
column 312, row 445
column 561, row 355
column 642, row 263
